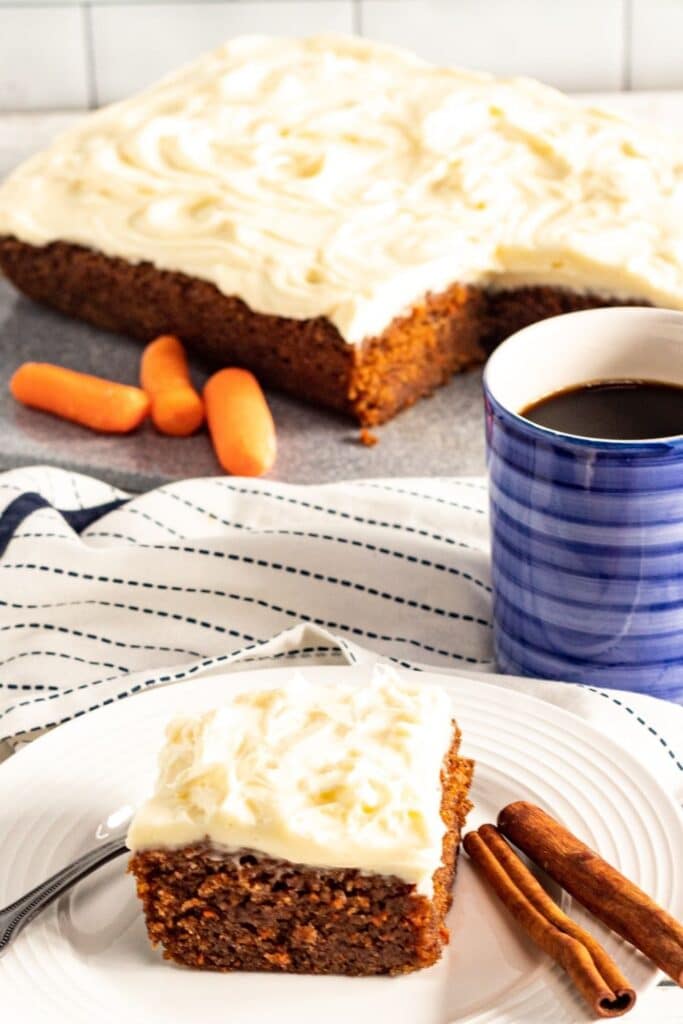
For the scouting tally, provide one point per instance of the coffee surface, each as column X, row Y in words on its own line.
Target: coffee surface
column 619, row 410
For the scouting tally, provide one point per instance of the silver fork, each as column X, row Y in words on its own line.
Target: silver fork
column 18, row 914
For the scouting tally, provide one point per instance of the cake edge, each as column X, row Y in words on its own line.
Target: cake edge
column 370, row 382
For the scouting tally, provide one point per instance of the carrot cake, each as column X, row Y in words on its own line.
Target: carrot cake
column 346, row 220
column 311, row 828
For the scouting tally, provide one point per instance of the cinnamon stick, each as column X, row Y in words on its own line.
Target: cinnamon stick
column 598, row 886
column 594, row 974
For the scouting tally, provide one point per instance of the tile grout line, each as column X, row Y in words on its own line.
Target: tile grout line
column 90, row 69
column 627, row 46
column 357, row 18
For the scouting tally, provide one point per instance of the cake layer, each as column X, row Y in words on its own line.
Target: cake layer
column 243, row 911
column 328, row 776
column 307, row 358
column 336, row 178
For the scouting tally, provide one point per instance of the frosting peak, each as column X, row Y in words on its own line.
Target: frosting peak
column 335, row 776
column 336, row 177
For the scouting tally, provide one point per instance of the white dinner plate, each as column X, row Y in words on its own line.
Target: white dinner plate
column 88, row 959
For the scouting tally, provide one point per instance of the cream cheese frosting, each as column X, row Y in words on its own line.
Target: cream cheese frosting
column 336, row 177
column 317, row 774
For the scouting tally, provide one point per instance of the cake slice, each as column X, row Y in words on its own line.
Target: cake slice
column 310, row 828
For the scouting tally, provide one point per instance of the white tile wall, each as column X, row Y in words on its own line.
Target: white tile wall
column 68, row 53
column 125, row 60
column 657, row 44
column 573, row 44
column 43, row 60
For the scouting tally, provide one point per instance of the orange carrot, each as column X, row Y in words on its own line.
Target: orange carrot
column 240, row 423
column 177, row 409
column 94, row 402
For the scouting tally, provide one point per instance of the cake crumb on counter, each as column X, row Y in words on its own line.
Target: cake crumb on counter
column 367, row 437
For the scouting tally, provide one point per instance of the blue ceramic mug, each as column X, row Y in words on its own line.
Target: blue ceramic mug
column 587, row 534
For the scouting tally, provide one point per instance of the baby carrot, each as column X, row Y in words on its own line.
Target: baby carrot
column 240, row 423
column 176, row 407
column 94, row 402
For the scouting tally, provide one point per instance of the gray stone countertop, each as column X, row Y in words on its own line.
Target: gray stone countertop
column 441, row 436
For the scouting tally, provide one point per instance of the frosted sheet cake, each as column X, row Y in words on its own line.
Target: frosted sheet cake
column 348, row 221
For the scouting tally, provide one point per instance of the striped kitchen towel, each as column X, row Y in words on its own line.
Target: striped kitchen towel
column 103, row 595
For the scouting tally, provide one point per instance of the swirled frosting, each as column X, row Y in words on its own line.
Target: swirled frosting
column 336, row 177
column 318, row 774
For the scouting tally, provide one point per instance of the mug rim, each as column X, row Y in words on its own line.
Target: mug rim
column 581, row 440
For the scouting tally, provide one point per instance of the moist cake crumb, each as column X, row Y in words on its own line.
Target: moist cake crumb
column 367, row 438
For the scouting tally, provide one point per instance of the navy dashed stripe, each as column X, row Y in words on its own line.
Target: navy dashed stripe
column 303, row 652
column 641, row 721
column 340, row 653
column 260, row 602
column 155, row 522
column 56, row 696
column 99, row 638
column 160, row 612
column 39, row 535
column 21, row 687
column 347, row 516
column 249, row 599
column 112, row 536
column 392, row 489
column 74, row 487
column 306, row 534
column 156, row 680
column 64, row 655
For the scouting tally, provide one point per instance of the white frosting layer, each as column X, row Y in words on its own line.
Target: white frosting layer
column 335, row 177
column 331, row 776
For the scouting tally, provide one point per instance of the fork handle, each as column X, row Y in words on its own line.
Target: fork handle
column 17, row 914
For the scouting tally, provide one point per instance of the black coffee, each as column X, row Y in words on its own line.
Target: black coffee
column 621, row 410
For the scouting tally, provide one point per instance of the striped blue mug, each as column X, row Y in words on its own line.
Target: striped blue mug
column 587, row 534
